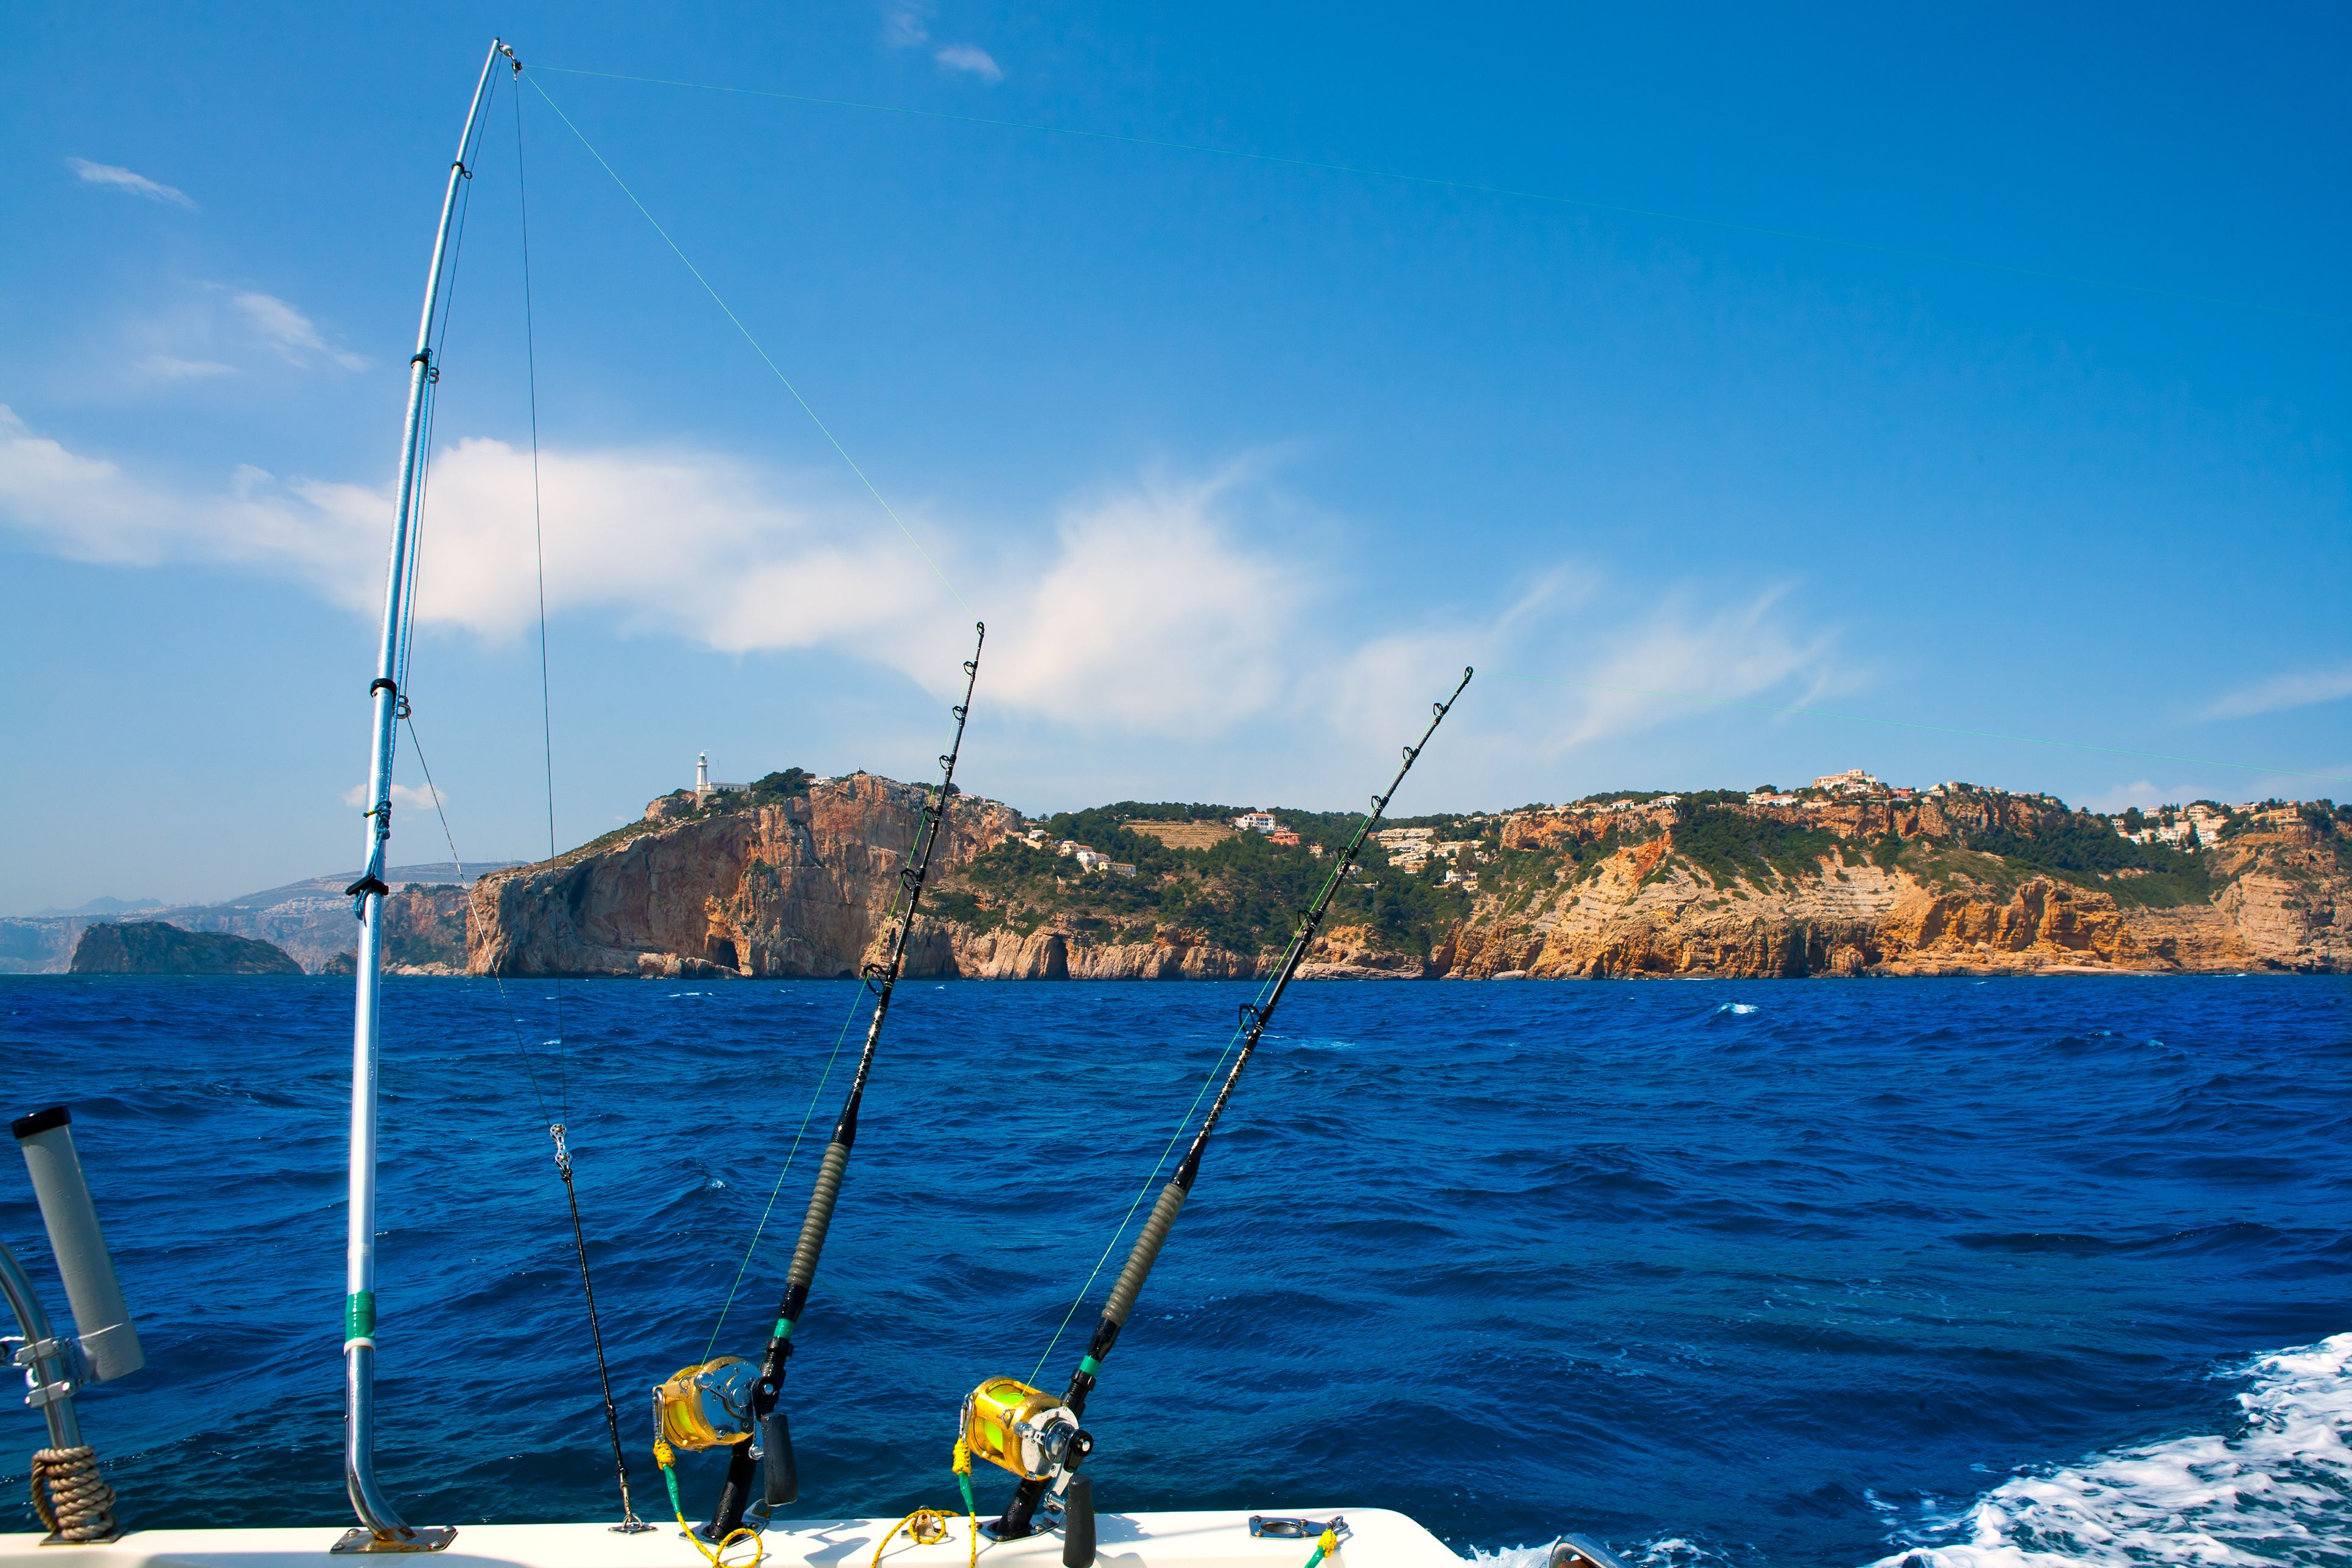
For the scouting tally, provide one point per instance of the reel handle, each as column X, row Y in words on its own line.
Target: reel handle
column 779, row 1473
column 1079, row 1521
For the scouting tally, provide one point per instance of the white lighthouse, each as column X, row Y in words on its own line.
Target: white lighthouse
column 701, row 777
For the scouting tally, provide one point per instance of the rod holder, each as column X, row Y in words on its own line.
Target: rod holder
column 101, row 1317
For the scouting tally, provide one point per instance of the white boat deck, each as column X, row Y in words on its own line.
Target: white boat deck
column 1377, row 1537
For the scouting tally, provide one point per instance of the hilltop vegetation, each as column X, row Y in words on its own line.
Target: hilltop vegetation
column 1242, row 893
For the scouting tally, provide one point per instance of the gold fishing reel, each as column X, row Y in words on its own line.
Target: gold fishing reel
column 1021, row 1429
column 707, row 1406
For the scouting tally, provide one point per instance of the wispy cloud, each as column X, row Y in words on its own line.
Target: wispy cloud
column 1727, row 655
column 907, row 24
column 972, row 59
column 124, row 179
column 1167, row 606
column 170, row 367
column 2298, row 688
column 290, row 331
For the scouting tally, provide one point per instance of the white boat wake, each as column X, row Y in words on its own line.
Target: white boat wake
column 2280, row 1491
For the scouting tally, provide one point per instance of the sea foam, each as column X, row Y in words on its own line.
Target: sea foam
column 2279, row 1491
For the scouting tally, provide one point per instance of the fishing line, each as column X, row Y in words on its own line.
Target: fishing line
column 822, row 429
column 842, row 1039
column 431, row 407
column 1215, row 1072
column 1915, row 724
column 1474, row 188
column 514, row 1024
column 793, row 1153
column 1021, row 1428
column 539, row 562
column 630, row 1523
column 1141, row 1194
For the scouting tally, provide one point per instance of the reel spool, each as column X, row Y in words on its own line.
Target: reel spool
column 1019, row 1428
column 707, row 1406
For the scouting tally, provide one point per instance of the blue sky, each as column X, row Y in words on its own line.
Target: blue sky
column 1241, row 457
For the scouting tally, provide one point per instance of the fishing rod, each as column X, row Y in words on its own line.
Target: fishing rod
column 1028, row 1432
column 381, row 1528
column 728, row 1403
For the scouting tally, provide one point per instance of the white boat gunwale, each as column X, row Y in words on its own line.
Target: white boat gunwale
column 1195, row 1539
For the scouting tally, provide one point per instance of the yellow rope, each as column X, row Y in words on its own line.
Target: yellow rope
column 964, row 1480
column 927, row 1526
column 667, row 1460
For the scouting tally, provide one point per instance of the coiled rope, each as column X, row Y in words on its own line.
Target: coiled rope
column 928, row 1526
column 73, row 1503
column 667, row 1458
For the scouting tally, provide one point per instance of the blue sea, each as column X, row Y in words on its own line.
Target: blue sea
column 1940, row 1272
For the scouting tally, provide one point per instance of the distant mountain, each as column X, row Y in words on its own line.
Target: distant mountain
column 309, row 920
column 152, row 947
column 104, row 906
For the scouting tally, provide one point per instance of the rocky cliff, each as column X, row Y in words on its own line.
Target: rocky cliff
column 792, row 885
column 1898, row 891
column 152, row 947
column 802, row 884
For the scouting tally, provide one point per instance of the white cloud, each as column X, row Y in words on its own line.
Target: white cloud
column 970, row 59
column 404, row 797
column 670, row 541
column 1183, row 609
column 170, row 367
column 907, row 24
column 122, row 179
column 1152, row 616
column 87, row 509
column 289, row 331
column 1733, row 654
column 2298, row 688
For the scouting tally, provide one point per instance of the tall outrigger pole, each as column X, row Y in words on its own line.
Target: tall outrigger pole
column 1053, row 1435
column 780, row 1479
column 381, row 1528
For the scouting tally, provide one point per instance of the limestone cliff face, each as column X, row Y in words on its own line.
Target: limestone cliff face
column 803, row 885
column 2285, row 906
column 1052, row 954
column 795, row 887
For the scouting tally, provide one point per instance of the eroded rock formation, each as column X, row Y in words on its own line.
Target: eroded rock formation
column 804, row 886
column 795, row 887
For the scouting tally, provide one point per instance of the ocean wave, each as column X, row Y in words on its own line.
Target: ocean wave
column 1511, row 1556
column 1668, row 1552
column 2279, row 1491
